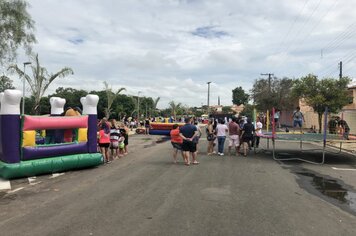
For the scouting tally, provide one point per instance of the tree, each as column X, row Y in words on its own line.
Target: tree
column 16, row 29
column 275, row 93
column 319, row 94
column 40, row 81
column 110, row 98
column 154, row 107
column 239, row 96
column 123, row 106
column 247, row 111
column 71, row 95
column 174, row 107
column 5, row 83
column 226, row 109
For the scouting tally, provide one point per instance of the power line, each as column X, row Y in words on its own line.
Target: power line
column 316, row 25
column 340, row 37
column 292, row 25
column 305, row 23
column 346, row 58
column 296, row 36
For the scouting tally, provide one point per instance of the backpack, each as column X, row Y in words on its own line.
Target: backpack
column 297, row 115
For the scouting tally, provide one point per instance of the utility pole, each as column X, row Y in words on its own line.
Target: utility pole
column 269, row 80
column 138, row 106
column 340, row 67
column 208, row 97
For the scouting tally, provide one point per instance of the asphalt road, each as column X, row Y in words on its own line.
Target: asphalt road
column 145, row 194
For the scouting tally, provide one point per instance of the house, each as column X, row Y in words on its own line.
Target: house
column 348, row 113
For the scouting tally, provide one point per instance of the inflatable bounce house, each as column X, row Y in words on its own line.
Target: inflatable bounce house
column 158, row 128
column 33, row 145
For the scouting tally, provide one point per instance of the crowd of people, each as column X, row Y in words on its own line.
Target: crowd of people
column 113, row 139
column 240, row 133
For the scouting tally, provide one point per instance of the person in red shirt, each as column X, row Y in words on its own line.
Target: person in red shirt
column 176, row 141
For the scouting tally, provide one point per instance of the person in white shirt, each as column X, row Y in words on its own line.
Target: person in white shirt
column 258, row 130
column 221, row 130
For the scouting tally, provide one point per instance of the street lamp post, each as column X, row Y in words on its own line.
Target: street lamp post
column 24, row 86
column 208, row 97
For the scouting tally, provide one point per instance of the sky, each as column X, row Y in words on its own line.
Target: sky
column 172, row 48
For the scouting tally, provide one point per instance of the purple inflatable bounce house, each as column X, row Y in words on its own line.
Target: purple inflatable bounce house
column 21, row 156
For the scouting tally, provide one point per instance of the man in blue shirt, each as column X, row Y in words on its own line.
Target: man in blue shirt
column 298, row 119
column 188, row 132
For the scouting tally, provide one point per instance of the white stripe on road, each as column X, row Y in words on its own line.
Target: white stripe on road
column 32, row 180
column 4, row 184
column 335, row 168
column 15, row 190
column 55, row 175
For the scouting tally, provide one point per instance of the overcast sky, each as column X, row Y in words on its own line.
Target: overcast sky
column 172, row 48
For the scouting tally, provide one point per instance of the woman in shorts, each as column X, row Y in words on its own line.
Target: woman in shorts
column 176, row 141
column 104, row 141
column 247, row 134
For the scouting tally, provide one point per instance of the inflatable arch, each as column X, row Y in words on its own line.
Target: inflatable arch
column 22, row 156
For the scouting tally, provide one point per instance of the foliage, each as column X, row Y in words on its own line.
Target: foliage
column 16, row 29
column 196, row 112
column 276, row 94
column 184, row 110
column 165, row 112
column 40, row 81
column 110, row 95
column 5, row 83
column 174, row 107
column 239, row 96
column 328, row 92
column 123, row 106
column 226, row 109
column 247, row 111
column 71, row 95
column 154, row 110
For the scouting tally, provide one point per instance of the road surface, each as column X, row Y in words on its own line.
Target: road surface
column 144, row 193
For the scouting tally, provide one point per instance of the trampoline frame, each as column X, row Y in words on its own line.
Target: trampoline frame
column 323, row 149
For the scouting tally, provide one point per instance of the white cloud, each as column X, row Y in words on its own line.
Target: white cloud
column 172, row 48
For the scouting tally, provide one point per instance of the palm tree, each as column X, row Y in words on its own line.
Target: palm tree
column 111, row 97
column 154, row 107
column 174, row 107
column 40, row 81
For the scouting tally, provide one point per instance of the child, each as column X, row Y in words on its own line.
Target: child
column 121, row 144
column 124, row 131
column 114, row 139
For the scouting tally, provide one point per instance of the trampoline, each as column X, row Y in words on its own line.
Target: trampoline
column 304, row 137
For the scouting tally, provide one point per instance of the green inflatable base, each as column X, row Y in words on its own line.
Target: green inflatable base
column 49, row 165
